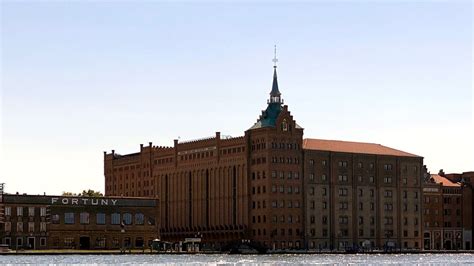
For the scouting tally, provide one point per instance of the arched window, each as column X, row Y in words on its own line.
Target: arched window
column 127, row 218
column 284, row 125
column 139, row 218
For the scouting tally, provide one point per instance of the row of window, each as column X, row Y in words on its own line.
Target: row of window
column 199, row 155
column 289, row 175
column 345, row 220
column 345, row 205
column 360, row 179
column 274, row 232
column 289, row 189
column 360, row 165
column 259, row 160
column 20, row 227
column 285, row 146
column 344, row 192
column 21, row 243
column 100, row 218
column 30, row 211
column 287, row 160
column 288, row 219
column 281, row 204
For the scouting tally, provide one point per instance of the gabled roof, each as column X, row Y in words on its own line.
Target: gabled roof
column 446, row 182
column 352, row 147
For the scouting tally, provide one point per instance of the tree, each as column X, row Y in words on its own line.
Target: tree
column 91, row 193
column 69, row 194
column 84, row 193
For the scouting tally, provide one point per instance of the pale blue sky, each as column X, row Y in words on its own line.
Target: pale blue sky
column 82, row 77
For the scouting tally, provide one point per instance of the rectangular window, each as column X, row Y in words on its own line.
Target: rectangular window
column 100, row 218
column 69, row 218
column 19, row 227
column 55, row 218
column 342, row 178
column 127, row 218
column 43, row 211
column 8, row 226
column 139, row 218
column 43, row 241
column 31, row 227
column 84, row 217
column 323, row 177
column 115, row 218
column 343, row 192
column 19, row 211
column 8, row 211
column 31, row 211
column 42, row 227
column 343, row 205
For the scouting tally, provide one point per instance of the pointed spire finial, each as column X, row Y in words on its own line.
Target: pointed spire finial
column 275, row 95
column 275, row 60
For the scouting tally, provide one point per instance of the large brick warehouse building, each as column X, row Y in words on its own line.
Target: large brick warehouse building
column 276, row 188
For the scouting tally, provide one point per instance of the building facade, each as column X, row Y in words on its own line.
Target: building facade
column 447, row 211
column 361, row 195
column 65, row 222
column 261, row 187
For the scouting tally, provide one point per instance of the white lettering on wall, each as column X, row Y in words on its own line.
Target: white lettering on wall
column 83, row 201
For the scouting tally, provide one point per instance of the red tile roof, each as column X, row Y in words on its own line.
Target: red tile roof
column 352, row 147
column 446, row 182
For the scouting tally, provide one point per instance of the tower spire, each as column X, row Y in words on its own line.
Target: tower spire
column 275, row 95
column 275, row 59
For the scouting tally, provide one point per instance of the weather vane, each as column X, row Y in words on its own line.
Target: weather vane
column 275, row 60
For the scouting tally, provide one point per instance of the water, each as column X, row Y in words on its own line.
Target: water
column 320, row 259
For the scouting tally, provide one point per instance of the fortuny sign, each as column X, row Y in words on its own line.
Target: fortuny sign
column 83, row 201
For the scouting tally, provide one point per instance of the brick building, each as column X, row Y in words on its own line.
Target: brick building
column 259, row 186
column 59, row 222
column 447, row 211
column 361, row 194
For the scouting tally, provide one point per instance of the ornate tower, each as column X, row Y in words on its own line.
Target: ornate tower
column 275, row 161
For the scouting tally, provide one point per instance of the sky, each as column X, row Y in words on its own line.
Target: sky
column 82, row 77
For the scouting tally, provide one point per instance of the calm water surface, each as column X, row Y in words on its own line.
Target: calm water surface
column 356, row 259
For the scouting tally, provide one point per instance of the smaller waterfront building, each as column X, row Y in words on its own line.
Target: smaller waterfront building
column 445, row 212
column 74, row 222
